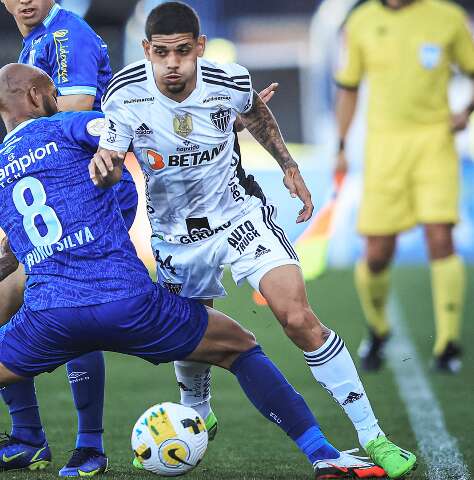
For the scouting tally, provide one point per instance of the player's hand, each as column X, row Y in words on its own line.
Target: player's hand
column 341, row 163
column 105, row 168
column 459, row 121
column 266, row 95
column 295, row 184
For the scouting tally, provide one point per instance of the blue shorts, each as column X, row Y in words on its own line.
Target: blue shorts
column 159, row 327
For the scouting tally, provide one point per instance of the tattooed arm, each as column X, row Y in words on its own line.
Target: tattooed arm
column 261, row 123
column 8, row 261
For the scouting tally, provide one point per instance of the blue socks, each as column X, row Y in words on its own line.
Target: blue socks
column 277, row 400
column 23, row 407
column 86, row 376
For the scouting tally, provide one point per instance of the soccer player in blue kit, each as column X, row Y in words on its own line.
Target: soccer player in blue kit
column 64, row 46
column 87, row 289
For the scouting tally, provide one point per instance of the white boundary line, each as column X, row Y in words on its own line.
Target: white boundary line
column 438, row 448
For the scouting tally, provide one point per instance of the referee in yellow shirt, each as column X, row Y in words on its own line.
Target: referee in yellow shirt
column 406, row 49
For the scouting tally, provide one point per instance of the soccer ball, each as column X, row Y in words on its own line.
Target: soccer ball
column 169, row 439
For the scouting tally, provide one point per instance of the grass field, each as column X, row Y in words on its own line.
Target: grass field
column 247, row 446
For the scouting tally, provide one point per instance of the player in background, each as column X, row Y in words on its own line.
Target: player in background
column 205, row 212
column 411, row 166
column 64, row 46
column 86, row 287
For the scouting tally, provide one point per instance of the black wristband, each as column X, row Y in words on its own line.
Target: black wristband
column 342, row 144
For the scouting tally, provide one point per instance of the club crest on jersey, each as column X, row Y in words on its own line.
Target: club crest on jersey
column 155, row 160
column 183, row 124
column 175, row 288
column 221, row 118
column 430, row 55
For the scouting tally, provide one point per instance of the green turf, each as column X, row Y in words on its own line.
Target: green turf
column 247, row 446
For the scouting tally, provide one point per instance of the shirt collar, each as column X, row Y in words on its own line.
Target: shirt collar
column 17, row 129
column 51, row 15
column 41, row 27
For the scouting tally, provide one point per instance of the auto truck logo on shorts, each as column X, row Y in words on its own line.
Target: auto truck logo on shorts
column 241, row 236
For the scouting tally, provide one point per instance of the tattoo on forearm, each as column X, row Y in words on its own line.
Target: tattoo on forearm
column 8, row 261
column 261, row 123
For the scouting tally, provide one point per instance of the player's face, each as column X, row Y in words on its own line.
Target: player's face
column 28, row 12
column 174, row 62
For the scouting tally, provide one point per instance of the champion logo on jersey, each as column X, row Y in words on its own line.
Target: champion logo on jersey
column 143, row 129
column 221, row 118
column 261, row 250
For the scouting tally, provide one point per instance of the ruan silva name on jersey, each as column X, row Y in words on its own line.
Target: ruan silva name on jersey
column 77, row 239
column 17, row 166
column 195, row 158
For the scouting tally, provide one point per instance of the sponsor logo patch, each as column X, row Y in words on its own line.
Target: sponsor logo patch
column 155, row 159
column 242, row 236
column 261, row 250
column 216, row 98
column 352, row 397
column 129, row 101
column 143, row 129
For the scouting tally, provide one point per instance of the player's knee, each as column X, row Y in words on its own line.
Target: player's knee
column 377, row 264
column 300, row 321
column 7, row 377
column 242, row 341
column 246, row 341
column 440, row 244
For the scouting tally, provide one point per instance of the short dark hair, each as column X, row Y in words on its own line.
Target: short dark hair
column 172, row 17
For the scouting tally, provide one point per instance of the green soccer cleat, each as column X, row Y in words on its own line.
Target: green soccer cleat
column 137, row 464
column 211, row 425
column 394, row 460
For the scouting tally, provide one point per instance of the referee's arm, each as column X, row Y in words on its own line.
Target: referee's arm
column 463, row 57
column 347, row 79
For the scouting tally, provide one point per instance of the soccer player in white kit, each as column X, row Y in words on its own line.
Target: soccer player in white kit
column 178, row 110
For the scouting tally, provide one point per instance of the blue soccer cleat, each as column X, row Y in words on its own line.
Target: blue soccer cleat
column 17, row 455
column 85, row 462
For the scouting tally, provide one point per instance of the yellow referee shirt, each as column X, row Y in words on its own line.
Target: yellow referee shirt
column 407, row 56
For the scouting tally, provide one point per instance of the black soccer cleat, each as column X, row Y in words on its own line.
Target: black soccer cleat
column 449, row 361
column 371, row 352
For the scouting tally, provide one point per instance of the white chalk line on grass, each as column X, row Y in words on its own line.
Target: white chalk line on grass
column 438, row 448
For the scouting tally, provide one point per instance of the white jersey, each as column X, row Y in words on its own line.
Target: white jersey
column 188, row 151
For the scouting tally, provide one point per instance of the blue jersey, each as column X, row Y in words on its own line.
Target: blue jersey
column 69, row 234
column 65, row 47
column 71, row 53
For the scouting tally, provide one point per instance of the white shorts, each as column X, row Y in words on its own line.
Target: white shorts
column 252, row 245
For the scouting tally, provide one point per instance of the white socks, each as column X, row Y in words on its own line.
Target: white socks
column 194, row 380
column 332, row 366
